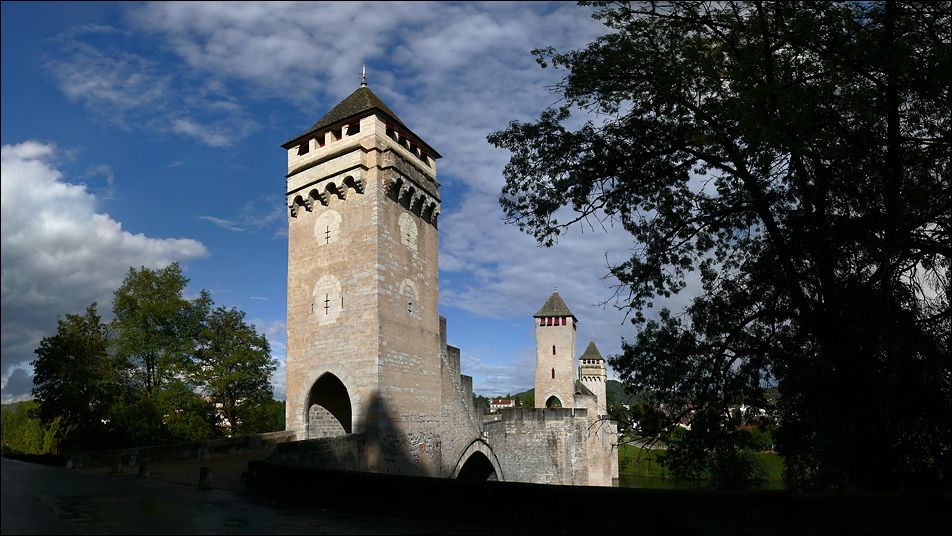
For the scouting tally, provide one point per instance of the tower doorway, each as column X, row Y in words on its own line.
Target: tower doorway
column 328, row 408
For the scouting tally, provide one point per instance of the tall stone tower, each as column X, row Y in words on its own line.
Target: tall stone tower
column 556, row 368
column 594, row 376
column 363, row 341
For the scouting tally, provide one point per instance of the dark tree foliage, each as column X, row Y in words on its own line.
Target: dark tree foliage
column 794, row 159
column 167, row 370
column 77, row 379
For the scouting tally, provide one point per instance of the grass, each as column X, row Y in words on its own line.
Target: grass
column 634, row 460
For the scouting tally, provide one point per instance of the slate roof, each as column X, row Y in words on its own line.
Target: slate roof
column 580, row 389
column 554, row 306
column 358, row 103
column 591, row 352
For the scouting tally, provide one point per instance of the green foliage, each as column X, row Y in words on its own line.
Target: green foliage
column 754, row 438
column 275, row 415
column 733, row 468
column 23, row 431
column 795, row 158
column 477, row 399
column 234, row 367
column 77, row 379
column 528, row 399
column 187, row 417
column 159, row 327
column 167, row 370
column 634, row 460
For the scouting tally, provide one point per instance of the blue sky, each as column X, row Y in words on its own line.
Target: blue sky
column 142, row 134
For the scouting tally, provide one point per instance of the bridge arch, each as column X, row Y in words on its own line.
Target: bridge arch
column 478, row 462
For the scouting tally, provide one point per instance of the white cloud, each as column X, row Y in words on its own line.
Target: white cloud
column 498, row 378
column 113, row 84
column 59, row 254
column 265, row 212
column 95, row 67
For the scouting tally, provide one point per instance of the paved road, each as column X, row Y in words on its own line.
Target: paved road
column 38, row 499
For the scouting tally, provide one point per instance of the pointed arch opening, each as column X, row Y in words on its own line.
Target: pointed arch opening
column 329, row 412
column 477, row 467
column 553, row 402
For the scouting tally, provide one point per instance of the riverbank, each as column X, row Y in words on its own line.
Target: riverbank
column 637, row 461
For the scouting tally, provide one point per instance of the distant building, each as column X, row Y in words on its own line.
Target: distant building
column 497, row 404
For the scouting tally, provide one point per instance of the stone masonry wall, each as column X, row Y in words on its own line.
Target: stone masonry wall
column 539, row 445
column 552, row 446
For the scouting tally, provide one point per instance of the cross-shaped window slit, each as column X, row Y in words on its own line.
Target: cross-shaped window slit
column 327, row 304
column 327, row 235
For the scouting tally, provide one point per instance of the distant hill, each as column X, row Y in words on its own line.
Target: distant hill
column 616, row 389
column 9, row 407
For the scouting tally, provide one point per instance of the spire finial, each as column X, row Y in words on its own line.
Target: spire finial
column 555, row 288
column 363, row 77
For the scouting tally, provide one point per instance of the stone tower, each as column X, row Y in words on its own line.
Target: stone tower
column 363, row 340
column 594, row 376
column 556, row 333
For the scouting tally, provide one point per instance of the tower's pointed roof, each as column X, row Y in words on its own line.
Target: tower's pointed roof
column 358, row 103
column 591, row 352
column 554, row 306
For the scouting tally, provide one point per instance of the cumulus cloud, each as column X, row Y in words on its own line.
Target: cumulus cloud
column 496, row 378
column 59, row 254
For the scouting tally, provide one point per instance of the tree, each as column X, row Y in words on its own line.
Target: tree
column 23, row 431
column 76, row 380
column 794, row 160
column 528, row 400
column 234, row 367
column 158, row 327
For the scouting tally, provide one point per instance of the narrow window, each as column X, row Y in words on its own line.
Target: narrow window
column 563, row 320
column 553, row 374
column 541, row 322
column 327, row 304
column 553, row 349
column 304, row 148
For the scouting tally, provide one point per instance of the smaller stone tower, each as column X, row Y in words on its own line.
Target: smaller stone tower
column 556, row 334
column 593, row 375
